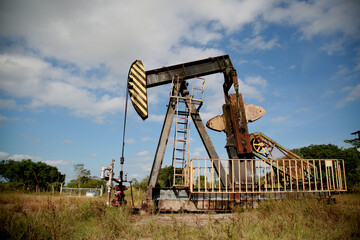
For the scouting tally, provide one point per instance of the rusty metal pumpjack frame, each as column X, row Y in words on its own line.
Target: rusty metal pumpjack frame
column 238, row 143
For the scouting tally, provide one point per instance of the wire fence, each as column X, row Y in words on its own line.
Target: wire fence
column 89, row 192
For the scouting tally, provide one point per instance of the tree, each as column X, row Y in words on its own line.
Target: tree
column 84, row 180
column 350, row 155
column 165, row 179
column 355, row 142
column 31, row 174
column 142, row 185
column 82, row 174
column 134, row 181
column 166, row 176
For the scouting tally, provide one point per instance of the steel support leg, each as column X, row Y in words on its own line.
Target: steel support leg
column 160, row 150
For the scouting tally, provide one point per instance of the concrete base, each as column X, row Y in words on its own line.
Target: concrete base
column 180, row 200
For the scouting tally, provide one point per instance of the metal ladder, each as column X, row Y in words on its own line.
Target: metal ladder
column 197, row 93
column 181, row 151
column 181, row 137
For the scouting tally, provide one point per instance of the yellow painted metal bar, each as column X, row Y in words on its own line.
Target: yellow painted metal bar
column 239, row 176
column 297, row 179
column 246, row 179
column 278, row 175
column 344, row 174
column 332, row 172
column 302, row 173
column 253, row 177
column 321, row 179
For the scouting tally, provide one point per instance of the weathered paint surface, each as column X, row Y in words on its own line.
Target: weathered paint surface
column 252, row 112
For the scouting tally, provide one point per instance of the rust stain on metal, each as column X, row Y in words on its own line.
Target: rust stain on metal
column 252, row 112
column 239, row 125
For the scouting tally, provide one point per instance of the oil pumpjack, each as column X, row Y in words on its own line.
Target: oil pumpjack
column 257, row 167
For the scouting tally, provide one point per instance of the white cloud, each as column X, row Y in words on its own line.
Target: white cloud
column 343, row 70
column 29, row 120
column 155, row 118
column 333, row 47
column 3, row 155
column 280, row 119
column 197, row 152
column 144, row 159
column 230, row 15
column 26, row 138
column 4, row 118
column 213, row 99
column 91, row 32
column 302, row 110
column 143, row 153
column 68, row 42
column 276, row 93
column 130, row 141
column 138, row 176
column 141, row 167
column 93, row 155
column 67, row 142
column 9, row 104
column 250, row 92
column 318, row 17
column 260, row 64
column 255, row 43
column 353, row 95
column 328, row 92
column 19, row 157
column 256, row 80
column 76, row 31
column 182, row 53
column 31, row 78
column 357, row 68
column 253, row 88
column 57, row 162
column 203, row 35
column 145, row 139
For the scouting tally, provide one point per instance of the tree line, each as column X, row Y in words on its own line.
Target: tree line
column 30, row 175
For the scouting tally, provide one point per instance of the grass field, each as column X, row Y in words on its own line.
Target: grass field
column 45, row 216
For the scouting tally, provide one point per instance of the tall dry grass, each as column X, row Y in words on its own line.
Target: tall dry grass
column 31, row 216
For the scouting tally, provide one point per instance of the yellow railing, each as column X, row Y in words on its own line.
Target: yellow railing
column 266, row 175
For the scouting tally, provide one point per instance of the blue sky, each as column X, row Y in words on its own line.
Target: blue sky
column 64, row 65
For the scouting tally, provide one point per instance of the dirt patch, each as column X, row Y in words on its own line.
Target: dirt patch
column 186, row 219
